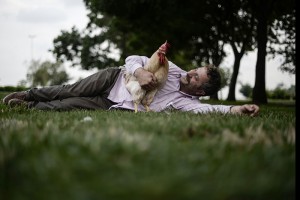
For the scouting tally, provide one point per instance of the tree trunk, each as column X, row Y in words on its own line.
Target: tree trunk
column 214, row 96
column 259, row 90
column 236, row 67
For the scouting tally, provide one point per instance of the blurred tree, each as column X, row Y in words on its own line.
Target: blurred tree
column 239, row 22
column 197, row 31
column 238, row 30
column 292, row 92
column 266, row 13
column 22, row 83
column 139, row 27
column 282, row 93
column 46, row 73
column 282, row 41
column 246, row 90
column 225, row 74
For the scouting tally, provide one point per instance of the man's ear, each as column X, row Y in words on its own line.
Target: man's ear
column 200, row 93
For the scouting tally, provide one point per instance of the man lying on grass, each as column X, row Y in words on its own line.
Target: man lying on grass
column 106, row 90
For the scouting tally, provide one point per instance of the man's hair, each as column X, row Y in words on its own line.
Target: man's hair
column 214, row 84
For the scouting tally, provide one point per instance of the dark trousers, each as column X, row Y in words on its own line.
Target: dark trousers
column 89, row 93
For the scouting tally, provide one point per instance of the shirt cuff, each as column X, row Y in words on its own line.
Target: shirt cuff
column 135, row 67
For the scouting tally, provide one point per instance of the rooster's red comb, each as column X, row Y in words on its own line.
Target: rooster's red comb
column 165, row 47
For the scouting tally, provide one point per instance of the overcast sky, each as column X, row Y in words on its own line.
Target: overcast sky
column 28, row 28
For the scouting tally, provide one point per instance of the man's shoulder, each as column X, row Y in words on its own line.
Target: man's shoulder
column 175, row 68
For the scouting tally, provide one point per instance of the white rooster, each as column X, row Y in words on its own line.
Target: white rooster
column 158, row 65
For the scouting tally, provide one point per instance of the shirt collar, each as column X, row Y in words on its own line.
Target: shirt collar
column 191, row 96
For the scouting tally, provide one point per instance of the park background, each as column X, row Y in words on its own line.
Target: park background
column 29, row 28
column 83, row 154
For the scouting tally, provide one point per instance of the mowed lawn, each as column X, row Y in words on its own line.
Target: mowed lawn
column 171, row 155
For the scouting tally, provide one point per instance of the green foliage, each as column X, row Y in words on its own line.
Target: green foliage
column 197, row 31
column 72, row 43
column 122, row 155
column 282, row 40
column 278, row 93
column 12, row 88
column 266, row 13
column 46, row 73
column 281, row 93
column 225, row 75
column 246, row 90
column 140, row 27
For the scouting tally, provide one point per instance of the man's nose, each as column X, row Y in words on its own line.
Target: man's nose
column 191, row 74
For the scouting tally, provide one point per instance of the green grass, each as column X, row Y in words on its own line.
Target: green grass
column 122, row 155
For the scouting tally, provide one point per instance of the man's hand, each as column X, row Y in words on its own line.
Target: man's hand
column 248, row 109
column 146, row 79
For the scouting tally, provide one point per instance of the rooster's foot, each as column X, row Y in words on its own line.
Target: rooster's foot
column 147, row 109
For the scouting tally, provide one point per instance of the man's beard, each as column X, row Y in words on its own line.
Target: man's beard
column 185, row 80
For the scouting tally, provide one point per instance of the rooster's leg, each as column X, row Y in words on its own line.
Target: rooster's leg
column 147, row 108
column 135, row 107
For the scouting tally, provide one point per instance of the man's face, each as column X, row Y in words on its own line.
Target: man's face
column 191, row 83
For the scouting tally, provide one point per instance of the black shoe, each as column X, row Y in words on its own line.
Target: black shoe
column 24, row 95
column 17, row 102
